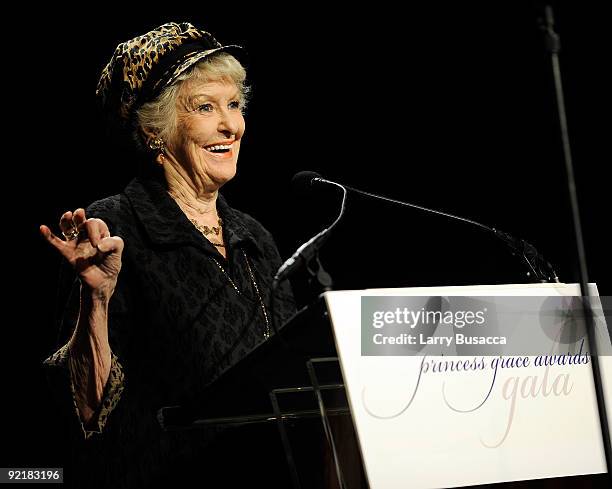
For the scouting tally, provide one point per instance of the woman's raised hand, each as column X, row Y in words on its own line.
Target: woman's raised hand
column 90, row 249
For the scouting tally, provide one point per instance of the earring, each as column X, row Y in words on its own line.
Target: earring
column 157, row 144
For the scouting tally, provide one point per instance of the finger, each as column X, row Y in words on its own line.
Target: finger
column 56, row 242
column 65, row 223
column 111, row 244
column 96, row 230
column 78, row 217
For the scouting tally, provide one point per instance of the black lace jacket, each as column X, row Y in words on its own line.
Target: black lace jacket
column 180, row 315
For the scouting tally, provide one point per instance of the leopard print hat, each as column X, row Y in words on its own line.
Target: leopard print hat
column 142, row 67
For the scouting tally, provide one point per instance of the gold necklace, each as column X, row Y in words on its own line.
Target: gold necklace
column 205, row 230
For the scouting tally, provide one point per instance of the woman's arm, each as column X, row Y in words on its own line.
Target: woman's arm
column 96, row 257
column 90, row 354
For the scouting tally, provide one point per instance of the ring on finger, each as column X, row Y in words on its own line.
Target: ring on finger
column 71, row 235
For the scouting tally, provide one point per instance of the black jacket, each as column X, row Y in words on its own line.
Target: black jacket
column 180, row 315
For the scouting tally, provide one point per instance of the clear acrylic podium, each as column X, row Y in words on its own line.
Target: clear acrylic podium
column 292, row 385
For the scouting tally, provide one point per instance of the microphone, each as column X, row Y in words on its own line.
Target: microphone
column 305, row 179
column 308, row 250
column 537, row 266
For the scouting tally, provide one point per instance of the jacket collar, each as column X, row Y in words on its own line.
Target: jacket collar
column 166, row 225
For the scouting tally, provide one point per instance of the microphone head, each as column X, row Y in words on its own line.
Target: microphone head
column 303, row 180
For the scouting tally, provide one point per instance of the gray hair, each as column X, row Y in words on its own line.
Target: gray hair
column 160, row 115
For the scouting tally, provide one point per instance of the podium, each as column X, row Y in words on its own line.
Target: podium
column 351, row 418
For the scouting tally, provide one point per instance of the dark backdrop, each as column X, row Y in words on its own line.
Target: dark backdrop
column 448, row 106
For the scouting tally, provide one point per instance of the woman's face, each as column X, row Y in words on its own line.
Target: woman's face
column 210, row 125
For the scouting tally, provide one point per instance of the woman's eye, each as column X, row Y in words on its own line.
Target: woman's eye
column 235, row 104
column 205, row 108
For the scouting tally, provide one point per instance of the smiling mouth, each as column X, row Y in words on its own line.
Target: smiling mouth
column 218, row 148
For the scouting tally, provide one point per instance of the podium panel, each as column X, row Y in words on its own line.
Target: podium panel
column 423, row 422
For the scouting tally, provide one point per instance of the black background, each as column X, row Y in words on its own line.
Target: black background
column 449, row 106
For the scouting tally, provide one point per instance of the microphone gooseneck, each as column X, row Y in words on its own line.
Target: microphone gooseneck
column 309, row 249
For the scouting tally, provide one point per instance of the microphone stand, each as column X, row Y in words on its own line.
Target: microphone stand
column 308, row 254
column 553, row 46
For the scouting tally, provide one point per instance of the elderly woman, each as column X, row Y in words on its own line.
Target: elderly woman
column 174, row 285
